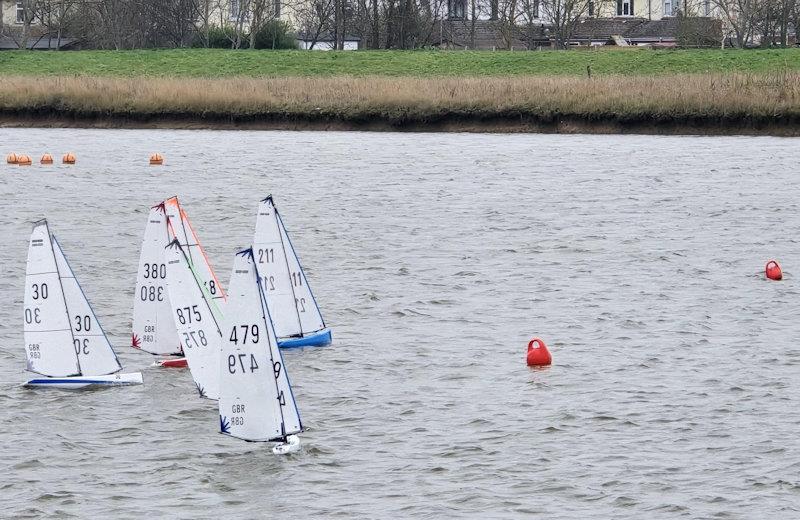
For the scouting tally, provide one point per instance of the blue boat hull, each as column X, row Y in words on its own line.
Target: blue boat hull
column 319, row 339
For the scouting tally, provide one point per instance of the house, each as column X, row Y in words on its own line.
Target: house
column 21, row 27
column 326, row 42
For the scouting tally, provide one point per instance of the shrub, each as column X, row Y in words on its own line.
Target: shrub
column 275, row 34
column 218, row 38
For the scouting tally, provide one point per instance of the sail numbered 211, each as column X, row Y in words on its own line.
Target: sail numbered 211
column 64, row 340
column 294, row 310
column 256, row 399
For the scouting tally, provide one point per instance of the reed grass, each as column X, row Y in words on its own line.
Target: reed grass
column 404, row 100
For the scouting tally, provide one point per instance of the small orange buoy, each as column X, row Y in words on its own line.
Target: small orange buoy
column 538, row 355
column 46, row 159
column 69, row 158
column 773, row 270
column 11, row 158
column 24, row 160
column 156, row 159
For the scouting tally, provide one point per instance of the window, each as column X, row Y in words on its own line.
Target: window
column 20, row 12
column 236, row 10
column 536, row 8
column 457, row 9
column 591, row 8
column 667, row 8
column 277, row 8
column 707, row 7
column 624, row 7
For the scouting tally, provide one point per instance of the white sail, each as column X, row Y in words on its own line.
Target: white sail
column 269, row 253
column 181, row 229
column 95, row 354
column 307, row 308
column 196, row 318
column 153, row 328
column 256, row 400
column 291, row 303
column 49, row 343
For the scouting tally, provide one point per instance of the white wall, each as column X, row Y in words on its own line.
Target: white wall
column 327, row 46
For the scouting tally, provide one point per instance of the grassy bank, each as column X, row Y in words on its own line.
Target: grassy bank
column 709, row 103
column 226, row 63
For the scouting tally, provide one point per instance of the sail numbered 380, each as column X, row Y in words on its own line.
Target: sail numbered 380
column 154, row 329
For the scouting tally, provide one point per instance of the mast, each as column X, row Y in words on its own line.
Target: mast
column 268, row 322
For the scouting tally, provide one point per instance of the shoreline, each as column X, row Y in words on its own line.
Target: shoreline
column 730, row 104
column 442, row 123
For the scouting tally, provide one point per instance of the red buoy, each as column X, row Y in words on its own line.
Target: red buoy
column 538, row 355
column 773, row 270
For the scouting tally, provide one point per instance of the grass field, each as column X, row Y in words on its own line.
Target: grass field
column 216, row 63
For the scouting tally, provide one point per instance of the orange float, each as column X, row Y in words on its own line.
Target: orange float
column 69, row 158
column 538, row 355
column 46, row 159
column 11, row 158
column 24, row 160
column 773, row 271
column 156, row 159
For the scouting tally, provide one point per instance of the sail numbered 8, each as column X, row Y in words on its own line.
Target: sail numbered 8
column 294, row 310
column 256, row 400
column 64, row 341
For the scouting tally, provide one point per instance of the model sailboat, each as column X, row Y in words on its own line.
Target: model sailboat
column 196, row 317
column 63, row 339
column 153, row 326
column 256, row 401
column 294, row 310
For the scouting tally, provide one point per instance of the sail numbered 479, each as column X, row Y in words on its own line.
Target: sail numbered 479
column 256, row 399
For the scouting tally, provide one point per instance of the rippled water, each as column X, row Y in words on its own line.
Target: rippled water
column 435, row 257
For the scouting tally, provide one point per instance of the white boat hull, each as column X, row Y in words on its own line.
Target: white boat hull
column 292, row 445
column 77, row 382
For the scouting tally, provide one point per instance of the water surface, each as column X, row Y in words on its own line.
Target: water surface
column 435, row 258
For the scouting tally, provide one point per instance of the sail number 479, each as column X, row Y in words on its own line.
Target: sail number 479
column 240, row 363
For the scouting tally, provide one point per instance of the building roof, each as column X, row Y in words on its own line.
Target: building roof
column 35, row 43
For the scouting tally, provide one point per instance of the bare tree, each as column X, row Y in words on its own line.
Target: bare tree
column 564, row 16
column 738, row 17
